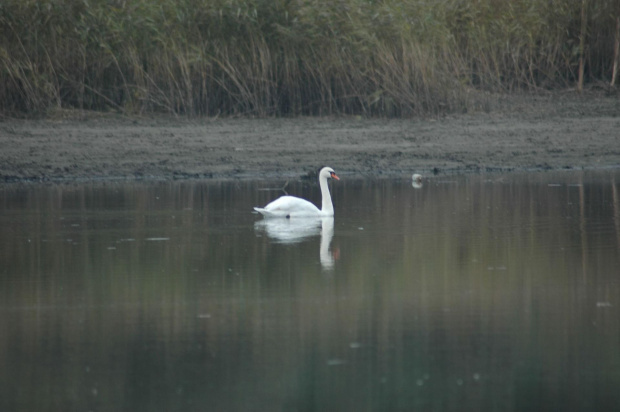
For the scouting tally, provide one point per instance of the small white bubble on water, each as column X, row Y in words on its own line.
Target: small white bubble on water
column 476, row 376
column 355, row 345
column 603, row 304
column 335, row 362
column 459, row 382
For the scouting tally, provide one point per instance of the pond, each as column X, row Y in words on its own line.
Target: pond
column 479, row 292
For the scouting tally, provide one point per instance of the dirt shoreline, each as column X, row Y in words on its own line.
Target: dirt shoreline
column 519, row 133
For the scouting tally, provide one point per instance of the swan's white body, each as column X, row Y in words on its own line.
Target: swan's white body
column 291, row 206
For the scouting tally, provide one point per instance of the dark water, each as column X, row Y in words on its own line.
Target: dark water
column 470, row 293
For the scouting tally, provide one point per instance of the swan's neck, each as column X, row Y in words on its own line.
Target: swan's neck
column 327, row 207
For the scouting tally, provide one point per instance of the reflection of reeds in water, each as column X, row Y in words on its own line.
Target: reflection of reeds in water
column 616, row 203
column 466, row 292
column 303, row 57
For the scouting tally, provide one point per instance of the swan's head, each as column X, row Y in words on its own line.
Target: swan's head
column 328, row 172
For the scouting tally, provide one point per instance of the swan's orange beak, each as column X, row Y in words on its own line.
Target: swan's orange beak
column 334, row 176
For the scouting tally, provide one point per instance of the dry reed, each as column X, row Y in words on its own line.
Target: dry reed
column 295, row 57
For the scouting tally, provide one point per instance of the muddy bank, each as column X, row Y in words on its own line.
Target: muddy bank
column 518, row 133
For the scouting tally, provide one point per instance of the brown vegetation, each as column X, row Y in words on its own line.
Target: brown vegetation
column 293, row 57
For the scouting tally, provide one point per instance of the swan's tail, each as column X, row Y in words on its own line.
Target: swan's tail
column 264, row 212
column 268, row 213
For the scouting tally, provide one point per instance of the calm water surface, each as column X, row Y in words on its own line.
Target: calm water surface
column 497, row 292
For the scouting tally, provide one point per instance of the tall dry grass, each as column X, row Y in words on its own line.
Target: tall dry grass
column 295, row 57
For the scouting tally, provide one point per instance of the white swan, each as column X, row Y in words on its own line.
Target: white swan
column 416, row 181
column 291, row 206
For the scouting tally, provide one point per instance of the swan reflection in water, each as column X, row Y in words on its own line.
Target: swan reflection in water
column 295, row 230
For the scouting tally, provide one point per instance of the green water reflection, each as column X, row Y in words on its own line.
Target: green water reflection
column 470, row 293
